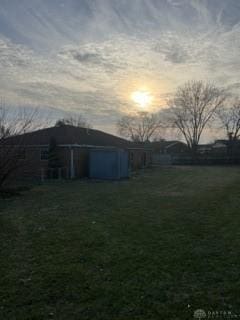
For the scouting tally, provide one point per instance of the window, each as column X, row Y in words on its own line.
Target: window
column 44, row 154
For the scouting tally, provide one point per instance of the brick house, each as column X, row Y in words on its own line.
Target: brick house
column 72, row 146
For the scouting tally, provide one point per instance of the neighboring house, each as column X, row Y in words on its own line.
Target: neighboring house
column 219, row 147
column 204, row 148
column 165, row 151
column 71, row 154
column 169, row 147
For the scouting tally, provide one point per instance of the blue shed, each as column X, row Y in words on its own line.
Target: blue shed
column 108, row 163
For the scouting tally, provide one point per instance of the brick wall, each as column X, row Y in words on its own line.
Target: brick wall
column 33, row 167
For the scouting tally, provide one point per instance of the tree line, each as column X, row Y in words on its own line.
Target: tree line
column 193, row 108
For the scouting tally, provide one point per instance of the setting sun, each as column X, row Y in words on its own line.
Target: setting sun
column 142, row 98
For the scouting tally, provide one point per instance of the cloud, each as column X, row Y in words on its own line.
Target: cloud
column 13, row 55
column 92, row 55
column 87, row 56
column 173, row 50
column 175, row 2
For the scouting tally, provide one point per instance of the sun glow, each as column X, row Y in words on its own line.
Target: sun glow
column 142, row 98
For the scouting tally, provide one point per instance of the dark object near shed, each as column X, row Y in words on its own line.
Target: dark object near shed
column 109, row 163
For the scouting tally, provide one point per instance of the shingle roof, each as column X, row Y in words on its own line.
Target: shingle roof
column 70, row 135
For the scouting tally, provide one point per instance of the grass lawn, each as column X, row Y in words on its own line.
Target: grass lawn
column 158, row 246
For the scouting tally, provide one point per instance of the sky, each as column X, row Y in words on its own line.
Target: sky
column 89, row 56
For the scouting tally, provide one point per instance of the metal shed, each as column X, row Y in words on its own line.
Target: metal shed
column 108, row 163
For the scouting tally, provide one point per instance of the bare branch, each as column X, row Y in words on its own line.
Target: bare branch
column 229, row 116
column 193, row 107
column 141, row 128
column 78, row 121
column 12, row 124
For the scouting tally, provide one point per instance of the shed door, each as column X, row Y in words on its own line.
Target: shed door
column 103, row 164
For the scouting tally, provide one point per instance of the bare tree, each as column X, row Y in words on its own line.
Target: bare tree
column 192, row 109
column 142, row 128
column 78, row 121
column 12, row 124
column 229, row 117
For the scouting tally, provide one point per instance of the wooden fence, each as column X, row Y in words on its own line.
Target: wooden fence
column 184, row 159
